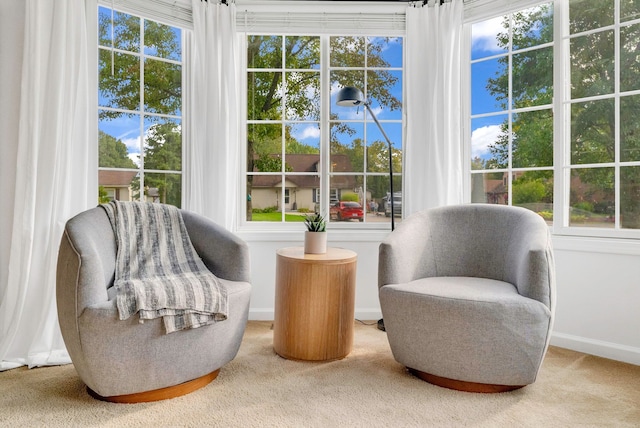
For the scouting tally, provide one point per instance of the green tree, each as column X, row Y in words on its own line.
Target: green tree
column 163, row 151
column 592, row 123
column 113, row 153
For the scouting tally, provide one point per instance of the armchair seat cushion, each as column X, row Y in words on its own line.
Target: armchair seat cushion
column 480, row 330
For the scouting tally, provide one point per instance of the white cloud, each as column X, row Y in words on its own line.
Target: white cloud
column 311, row 131
column 482, row 137
column 484, row 34
column 135, row 157
column 133, row 144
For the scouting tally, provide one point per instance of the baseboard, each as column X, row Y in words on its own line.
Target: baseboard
column 261, row 314
column 266, row 314
column 613, row 351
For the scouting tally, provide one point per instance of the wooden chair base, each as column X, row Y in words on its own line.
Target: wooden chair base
column 159, row 394
column 461, row 385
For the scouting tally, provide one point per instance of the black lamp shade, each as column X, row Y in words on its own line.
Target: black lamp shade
column 349, row 97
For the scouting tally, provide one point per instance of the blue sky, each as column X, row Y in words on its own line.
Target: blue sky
column 484, row 130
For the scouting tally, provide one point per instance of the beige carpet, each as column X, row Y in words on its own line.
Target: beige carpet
column 366, row 389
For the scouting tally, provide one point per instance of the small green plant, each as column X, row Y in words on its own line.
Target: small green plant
column 315, row 223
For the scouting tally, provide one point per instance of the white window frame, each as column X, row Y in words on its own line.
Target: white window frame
column 278, row 18
column 561, row 108
column 144, row 15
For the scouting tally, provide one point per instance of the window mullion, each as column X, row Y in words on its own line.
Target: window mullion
column 325, row 131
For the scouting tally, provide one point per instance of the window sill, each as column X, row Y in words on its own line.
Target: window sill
column 624, row 246
column 290, row 235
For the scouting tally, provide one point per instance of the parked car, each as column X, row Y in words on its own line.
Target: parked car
column 346, row 211
column 397, row 205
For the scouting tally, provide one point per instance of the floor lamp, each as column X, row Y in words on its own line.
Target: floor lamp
column 353, row 97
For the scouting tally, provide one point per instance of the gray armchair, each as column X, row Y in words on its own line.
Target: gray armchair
column 467, row 295
column 124, row 361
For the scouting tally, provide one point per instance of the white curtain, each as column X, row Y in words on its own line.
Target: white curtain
column 210, row 159
column 433, row 149
column 56, row 175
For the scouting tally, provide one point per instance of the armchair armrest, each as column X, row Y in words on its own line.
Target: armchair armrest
column 224, row 254
column 404, row 255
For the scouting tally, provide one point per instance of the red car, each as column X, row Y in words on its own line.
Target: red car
column 346, row 211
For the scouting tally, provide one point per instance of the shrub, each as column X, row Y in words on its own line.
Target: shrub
column 349, row 197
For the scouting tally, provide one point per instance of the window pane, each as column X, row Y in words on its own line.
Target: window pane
column 162, row 41
column 489, row 37
column 163, row 188
column 118, row 140
column 630, row 197
column 534, row 190
column 630, row 57
column 629, row 10
column 533, row 78
column 630, row 128
column 489, row 86
column 592, row 65
column 340, row 79
column 264, row 93
column 347, row 139
column 592, row 125
column 300, row 200
column 303, row 96
column 162, row 87
column 585, row 15
column 303, row 138
column 532, row 27
column 378, row 148
column 264, row 51
column 532, row 139
column 122, row 88
column 162, row 144
column 347, row 51
column 384, row 52
column 350, row 208
column 302, row 52
column 263, row 199
column 490, row 188
column 344, row 185
column 118, row 184
column 490, row 142
column 384, row 91
column 263, row 142
column 592, row 197
column 126, row 30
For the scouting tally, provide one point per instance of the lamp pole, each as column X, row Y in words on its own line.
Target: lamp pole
column 352, row 97
column 390, row 148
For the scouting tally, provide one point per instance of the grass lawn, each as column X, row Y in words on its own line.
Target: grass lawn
column 277, row 216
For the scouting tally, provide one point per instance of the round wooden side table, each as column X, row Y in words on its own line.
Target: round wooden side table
column 314, row 307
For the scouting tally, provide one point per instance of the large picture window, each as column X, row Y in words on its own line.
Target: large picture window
column 140, row 108
column 589, row 150
column 304, row 153
column 511, row 110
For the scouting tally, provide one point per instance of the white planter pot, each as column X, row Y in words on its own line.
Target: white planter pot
column 315, row 242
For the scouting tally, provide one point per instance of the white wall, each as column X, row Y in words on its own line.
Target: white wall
column 598, row 299
column 598, row 289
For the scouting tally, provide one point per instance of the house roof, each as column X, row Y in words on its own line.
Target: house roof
column 115, row 178
column 309, row 163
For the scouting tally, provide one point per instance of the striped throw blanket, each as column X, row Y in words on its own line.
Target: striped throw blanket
column 158, row 272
